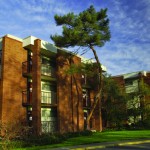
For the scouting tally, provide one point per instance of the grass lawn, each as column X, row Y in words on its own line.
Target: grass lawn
column 98, row 137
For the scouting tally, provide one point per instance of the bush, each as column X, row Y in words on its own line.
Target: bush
column 146, row 123
column 43, row 139
column 53, row 138
column 22, row 137
column 13, row 144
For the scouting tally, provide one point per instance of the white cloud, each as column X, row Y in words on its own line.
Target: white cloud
column 125, row 58
column 128, row 23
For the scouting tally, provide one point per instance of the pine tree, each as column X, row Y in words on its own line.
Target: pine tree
column 88, row 29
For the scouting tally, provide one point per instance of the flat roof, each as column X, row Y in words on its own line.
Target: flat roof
column 132, row 74
column 47, row 46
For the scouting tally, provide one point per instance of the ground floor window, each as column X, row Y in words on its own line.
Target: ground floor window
column 86, row 113
column 49, row 119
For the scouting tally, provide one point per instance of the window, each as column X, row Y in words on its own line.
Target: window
column 128, row 82
column 86, row 98
column 48, row 94
column 48, row 67
column 86, row 113
column 49, row 119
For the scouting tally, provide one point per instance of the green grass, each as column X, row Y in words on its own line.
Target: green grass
column 98, row 137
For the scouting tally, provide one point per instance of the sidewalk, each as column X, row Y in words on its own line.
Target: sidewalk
column 102, row 145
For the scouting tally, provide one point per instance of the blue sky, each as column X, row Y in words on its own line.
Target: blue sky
column 129, row 47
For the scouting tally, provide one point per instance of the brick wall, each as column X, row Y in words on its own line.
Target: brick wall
column 68, row 95
column 36, row 84
column 12, row 82
column 77, row 97
column 120, row 81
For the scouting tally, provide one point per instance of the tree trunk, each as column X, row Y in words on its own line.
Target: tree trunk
column 98, row 95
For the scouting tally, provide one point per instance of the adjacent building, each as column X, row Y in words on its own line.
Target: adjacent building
column 36, row 90
column 135, row 84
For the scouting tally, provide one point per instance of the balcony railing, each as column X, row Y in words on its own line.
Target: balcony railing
column 26, row 98
column 49, row 97
column 49, row 126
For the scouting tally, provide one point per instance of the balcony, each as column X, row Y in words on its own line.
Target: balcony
column 49, row 97
column 26, row 98
column 26, row 67
column 49, row 126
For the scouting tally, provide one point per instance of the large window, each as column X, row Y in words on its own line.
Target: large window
column 48, row 93
column 49, row 119
column 48, row 67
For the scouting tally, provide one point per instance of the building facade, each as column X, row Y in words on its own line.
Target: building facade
column 134, row 84
column 35, row 89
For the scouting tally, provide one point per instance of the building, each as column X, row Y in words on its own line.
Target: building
column 133, row 84
column 35, row 90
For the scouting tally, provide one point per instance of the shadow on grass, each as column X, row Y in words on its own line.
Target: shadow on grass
column 98, row 137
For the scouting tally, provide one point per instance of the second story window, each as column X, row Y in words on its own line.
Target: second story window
column 48, row 93
column 86, row 98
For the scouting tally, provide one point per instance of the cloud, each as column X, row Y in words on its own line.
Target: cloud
column 127, row 22
column 125, row 58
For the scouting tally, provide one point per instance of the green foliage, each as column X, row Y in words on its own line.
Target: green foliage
column 97, row 137
column 44, row 139
column 144, row 89
column 138, row 105
column 113, row 99
column 89, row 69
column 52, row 138
column 88, row 28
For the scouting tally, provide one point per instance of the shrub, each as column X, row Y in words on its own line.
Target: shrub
column 53, row 138
column 21, row 136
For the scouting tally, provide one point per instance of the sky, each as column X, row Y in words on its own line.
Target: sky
column 128, row 49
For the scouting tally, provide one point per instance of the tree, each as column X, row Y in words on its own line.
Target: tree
column 87, row 29
column 113, row 98
column 138, row 103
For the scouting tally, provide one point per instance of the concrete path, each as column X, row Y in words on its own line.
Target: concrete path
column 103, row 145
